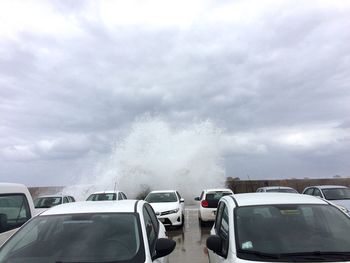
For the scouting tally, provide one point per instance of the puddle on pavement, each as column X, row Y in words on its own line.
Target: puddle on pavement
column 190, row 240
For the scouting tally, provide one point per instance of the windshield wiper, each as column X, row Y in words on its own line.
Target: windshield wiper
column 258, row 253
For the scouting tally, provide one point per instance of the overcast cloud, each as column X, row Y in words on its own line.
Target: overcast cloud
column 273, row 75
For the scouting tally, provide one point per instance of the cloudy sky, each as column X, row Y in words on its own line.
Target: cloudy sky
column 272, row 76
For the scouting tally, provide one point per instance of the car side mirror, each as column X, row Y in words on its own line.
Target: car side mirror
column 164, row 247
column 182, row 200
column 197, row 198
column 214, row 243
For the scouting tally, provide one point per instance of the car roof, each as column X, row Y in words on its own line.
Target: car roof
column 106, row 192
column 328, row 186
column 218, row 189
column 274, row 198
column 43, row 196
column 163, row 191
column 12, row 188
column 275, row 187
column 123, row 206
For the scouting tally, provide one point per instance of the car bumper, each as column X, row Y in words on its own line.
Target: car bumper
column 174, row 219
column 207, row 214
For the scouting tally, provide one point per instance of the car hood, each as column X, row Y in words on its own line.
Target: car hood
column 161, row 207
column 345, row 203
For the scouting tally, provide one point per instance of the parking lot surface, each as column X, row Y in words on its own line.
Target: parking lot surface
column 190, row 240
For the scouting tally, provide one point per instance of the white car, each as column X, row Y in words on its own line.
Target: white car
column 44, row 202
column 168, row 205
column 337, row 194
column 16, row 208
column 278, row 227
column 107, row 196
column 208, row 202
column 125, row 231
column 277, row 189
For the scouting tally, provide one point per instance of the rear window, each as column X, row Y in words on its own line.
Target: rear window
column 47, row 202
column 98, row 237
column 102, row 197
column 214, row 197
column 14, row 211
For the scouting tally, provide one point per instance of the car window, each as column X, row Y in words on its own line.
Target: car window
column 153, row 216
column 178, row 195
column 317, row 192
column 102, row 197
column 262, row 228
column 161, row 197
column 309, row 191
column 14, row 211
column 72, row 199
column 120, row 197
column 47, row 202
column 124, row 196
column 201, row 196
column 336, row 193
column 107, row 237
column 65, row 200
column 222, row 227
column 151, row 231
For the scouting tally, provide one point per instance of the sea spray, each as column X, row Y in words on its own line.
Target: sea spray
column 156, row 155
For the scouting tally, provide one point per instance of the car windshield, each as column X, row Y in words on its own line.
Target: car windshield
column 161, row 197
column 282, row 190
column 14, row 211
column 97, row 237
column 336, row 193
column 47, row 202
column 291, row 232
column 102, row 197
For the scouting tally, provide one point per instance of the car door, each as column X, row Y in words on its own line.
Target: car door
column 153, row 230
column 221, row 228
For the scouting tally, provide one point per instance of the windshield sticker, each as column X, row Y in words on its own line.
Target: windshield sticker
column 247, row 245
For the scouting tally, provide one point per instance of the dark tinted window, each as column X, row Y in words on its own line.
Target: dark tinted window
column 47, row 202
column 152, row 234
column 120, row 197
column 214, row 197
column 282, row 190
column 317, row 192
column 282, row 229
column 110, row 237
column 336, row 193
column 309, row 191
column 14, row 211
column 124, row 196
column 161, row 197
column 65, row 200
column 102, row 197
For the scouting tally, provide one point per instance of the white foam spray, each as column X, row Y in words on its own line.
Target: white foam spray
column 156, row 155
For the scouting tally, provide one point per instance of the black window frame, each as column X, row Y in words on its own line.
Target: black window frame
column 148, row 210
column 314, row 192
column 218, row 223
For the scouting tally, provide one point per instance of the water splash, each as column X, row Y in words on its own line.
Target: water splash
column 157, row 155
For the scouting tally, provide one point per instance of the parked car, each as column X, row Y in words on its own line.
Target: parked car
column 168, row 205
column 277, row 189
column 107, row 196
column 125, row 231
column 208, row 202
column 16, row 207
column 278, row 227
column 45, row 202
column 337, row 194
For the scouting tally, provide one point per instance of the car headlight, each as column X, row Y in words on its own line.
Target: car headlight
column 170, row 212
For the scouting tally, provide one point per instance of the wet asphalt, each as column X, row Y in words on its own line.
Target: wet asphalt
column 190, row 239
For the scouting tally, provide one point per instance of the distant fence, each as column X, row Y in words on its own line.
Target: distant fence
column 239, row 186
